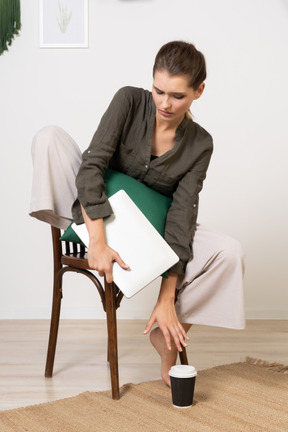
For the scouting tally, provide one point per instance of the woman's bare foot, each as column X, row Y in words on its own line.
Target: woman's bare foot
column 168, row 358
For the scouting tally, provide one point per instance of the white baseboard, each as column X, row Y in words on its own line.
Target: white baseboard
column 125, row 313
column 73, row 313
column 266, row 314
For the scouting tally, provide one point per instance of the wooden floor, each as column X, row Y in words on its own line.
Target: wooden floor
column 81, row 365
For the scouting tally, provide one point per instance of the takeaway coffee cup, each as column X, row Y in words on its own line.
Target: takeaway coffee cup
column 182, row 385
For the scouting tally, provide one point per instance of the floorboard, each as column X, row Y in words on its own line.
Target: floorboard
column 81, row 365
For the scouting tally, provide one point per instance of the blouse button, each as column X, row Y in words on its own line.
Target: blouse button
column 146, row 166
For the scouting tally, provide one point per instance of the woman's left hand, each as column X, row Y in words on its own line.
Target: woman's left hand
column 165, row 315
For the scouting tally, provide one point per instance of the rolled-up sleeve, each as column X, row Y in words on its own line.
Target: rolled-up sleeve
column 89, row 181
column 182, row 215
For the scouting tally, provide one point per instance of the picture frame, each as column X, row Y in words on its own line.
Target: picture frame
column 63, row 23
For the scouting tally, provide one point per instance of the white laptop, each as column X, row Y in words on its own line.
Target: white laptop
column 138, row 243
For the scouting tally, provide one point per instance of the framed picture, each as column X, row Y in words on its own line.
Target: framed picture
column 63, row 23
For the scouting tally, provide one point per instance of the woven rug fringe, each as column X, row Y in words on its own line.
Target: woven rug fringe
column 277, row 367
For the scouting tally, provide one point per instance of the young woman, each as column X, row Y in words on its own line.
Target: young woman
column 152, row 137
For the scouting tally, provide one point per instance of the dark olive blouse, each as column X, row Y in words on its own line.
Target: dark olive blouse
column 123, row 141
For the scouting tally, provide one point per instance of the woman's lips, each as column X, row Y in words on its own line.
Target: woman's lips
column 165, row 113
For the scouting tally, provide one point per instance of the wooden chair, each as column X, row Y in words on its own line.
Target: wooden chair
column 74, row 259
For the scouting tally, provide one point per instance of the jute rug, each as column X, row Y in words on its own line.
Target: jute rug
column 247, row 397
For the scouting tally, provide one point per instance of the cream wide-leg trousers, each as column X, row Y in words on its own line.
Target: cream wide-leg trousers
column 210, row 292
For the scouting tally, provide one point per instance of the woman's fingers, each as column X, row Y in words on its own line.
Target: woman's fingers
column 178, row 334
column 119, row 261
column 178, row 337
column 149, row 324
column 109, row 275
column 114, row 257
column 183, row 335
column 102, row 260
column 169, row 325
column 167, row 337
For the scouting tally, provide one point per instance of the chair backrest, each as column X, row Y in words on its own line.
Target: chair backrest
column 66, row 248
column 72, row 257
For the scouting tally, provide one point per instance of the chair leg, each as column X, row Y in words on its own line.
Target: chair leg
column 54, row 325
column 110, row 299
column 183, row 356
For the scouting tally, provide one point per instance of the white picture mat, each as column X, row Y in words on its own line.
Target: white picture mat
column 138, row 243
column 53, row 14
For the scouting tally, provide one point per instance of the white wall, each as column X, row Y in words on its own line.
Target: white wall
column 244, row 107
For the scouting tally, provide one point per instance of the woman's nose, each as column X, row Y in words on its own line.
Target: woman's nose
column 166, row 102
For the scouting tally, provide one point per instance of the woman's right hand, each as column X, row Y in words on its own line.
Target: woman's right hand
column 101, row 258
column 100, row 255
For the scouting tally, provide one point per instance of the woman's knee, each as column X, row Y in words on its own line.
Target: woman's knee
column 45, row 137
column 55, row 143
column 49, row 134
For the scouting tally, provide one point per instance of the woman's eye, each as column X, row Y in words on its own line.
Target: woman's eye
column 159, row 92
column 179, row 97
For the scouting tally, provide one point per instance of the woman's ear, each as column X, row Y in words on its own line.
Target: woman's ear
column 200, row 90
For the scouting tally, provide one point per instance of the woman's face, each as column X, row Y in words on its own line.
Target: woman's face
column 173, row 96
